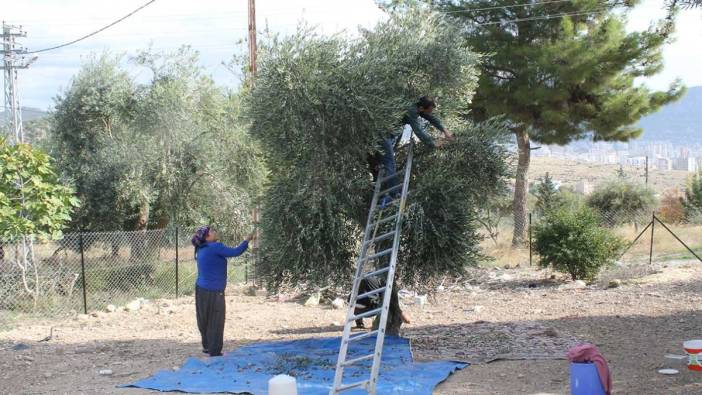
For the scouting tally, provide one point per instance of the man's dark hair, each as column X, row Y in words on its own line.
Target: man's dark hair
column 426, row 102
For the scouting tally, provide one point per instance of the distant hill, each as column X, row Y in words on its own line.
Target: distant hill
column 679, row 122
column 29, row 114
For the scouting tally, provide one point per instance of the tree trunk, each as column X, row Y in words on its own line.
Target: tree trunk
column 139, row 240
column 143, row 219
column 521, row 186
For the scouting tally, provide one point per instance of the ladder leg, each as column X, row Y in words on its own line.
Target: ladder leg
column 343, row 348
column 370, row 237
column 380, row 339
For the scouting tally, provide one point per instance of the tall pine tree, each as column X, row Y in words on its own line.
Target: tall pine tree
column 560, row 71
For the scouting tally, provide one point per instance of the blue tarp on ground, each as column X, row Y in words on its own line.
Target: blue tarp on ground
column 311, row 361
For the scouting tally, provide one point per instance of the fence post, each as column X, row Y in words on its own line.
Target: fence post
column 530, row 253
column 82, row 272
column 176, row 259
column 653, row 226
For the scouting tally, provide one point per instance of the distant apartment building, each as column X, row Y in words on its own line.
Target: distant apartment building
column 686, row 164
column 636, row 161
column 663, row 164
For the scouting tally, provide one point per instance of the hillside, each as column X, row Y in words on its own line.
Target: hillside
column 679, row 122
column 28, row 114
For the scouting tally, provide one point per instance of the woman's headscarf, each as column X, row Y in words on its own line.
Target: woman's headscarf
column 200, row 236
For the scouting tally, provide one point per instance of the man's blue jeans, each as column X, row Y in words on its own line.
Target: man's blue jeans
column 388, row 161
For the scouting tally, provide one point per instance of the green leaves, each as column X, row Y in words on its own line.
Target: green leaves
column 173, row 149
column 563, row 78
column 622, row 201
column 320, row 106
column 32, row 200
column 692, row 203
column 572, row 241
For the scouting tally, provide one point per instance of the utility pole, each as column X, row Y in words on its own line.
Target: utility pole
column 14, row 58
column 252, row 77
column 646, row 170
column 252, row 41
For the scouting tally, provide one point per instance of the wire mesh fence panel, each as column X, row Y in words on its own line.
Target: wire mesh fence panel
column 123, row 266
column 677, row 243
column 187, row 267
column 40, row 277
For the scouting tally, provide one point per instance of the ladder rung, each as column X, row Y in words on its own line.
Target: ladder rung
column 376, row 255
column 397, row 174
column 352, row 385
column 393, row 202
column 366, row 314
column 375, row 273
column 381, row 237
column 369, row 293
column 392, row 188
column 361, row 336
column 359, row 359
column 383, row 221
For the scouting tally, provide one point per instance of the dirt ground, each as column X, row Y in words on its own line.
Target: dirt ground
column 515, row 326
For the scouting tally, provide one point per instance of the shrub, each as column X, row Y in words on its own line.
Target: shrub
column 572, row 241
column 693, row 200
column 622, row 201
column 672, row 209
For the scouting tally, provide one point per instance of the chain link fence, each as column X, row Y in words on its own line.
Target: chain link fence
column 85, row 272
column 654, row 228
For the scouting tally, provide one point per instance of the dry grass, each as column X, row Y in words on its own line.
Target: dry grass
column 569, row 172
column 665, row 246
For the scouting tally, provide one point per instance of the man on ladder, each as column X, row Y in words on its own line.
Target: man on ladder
column 378, row 256
column 424, row 107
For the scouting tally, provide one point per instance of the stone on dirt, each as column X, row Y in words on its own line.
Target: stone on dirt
column 313, row 300
column 111, row 308
column 579, row 284
column 614, row 283
column 338, row 303
column 134, row 305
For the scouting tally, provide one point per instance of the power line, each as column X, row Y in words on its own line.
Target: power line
column 95, row 32
column 505, row 6
column 543, row 17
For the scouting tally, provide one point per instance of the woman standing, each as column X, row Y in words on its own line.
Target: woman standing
column 211, row 257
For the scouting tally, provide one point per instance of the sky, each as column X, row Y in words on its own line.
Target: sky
column 216, row 29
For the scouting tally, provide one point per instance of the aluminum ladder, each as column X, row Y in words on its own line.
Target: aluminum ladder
column 380, row 227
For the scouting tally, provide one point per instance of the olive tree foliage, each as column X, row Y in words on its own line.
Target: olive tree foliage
column 622, row 201
column 148, row 155
column 96, row 109
column 320, row 105
column 450, row 187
